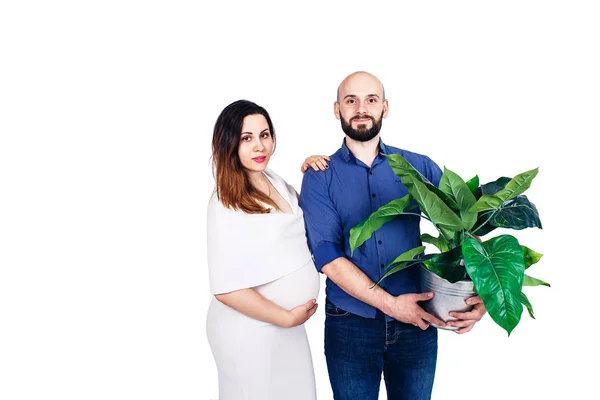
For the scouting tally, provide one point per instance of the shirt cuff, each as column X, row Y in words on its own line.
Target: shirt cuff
column 326, row 253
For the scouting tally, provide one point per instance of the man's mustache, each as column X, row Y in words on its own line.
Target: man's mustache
column 362, row 117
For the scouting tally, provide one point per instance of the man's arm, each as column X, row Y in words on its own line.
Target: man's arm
column 403, row 308
column 325, row 237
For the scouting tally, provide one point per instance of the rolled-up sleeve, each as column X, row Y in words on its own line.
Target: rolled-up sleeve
column 321, row 219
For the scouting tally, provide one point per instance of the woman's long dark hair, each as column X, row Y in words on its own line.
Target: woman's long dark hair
column 233, row 187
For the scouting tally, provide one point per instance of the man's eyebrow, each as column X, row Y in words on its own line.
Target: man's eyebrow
column 355, row 96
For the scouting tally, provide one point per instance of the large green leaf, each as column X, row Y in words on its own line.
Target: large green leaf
column 530, row 256
column 497, row 269
column 405, row 171
column 363, row 231
column 531, row 281
column 526, row 303
column 434, row 208
column 518, row 213
column 401, row 262
column 515, row 187
column 455, row 187
column 447, row 265
column 439, row 242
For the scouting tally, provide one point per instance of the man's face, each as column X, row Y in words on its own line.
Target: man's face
column 361, row 107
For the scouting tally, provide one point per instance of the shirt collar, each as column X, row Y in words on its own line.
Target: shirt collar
column 348, row 156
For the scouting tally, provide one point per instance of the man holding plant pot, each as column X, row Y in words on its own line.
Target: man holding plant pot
column 383, row 329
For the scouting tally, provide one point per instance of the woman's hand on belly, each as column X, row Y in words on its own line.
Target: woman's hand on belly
column 299, row 315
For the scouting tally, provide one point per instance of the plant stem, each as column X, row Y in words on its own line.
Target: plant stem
column 472, row 235
column 486, row 221
column 418, row 215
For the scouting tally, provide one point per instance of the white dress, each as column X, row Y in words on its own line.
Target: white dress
column 257, row 360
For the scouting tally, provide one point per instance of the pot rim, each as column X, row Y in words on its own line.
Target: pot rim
column 439, row 277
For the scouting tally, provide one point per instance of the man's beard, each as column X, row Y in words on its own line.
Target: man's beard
column 362, row 134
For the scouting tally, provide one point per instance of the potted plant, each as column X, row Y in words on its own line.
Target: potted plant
column 464, row 212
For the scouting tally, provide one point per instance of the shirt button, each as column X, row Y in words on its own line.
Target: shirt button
column 374, row 195
column 379, row 242
column 370, row 172
column 382, row 265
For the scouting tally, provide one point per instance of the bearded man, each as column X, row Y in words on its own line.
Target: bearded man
column 384, row 330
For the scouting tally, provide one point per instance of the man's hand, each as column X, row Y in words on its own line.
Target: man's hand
column 315, row 162
column 467, row 320
column 405, row 308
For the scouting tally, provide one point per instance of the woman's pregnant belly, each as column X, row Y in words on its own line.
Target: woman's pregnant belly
column 293, row 289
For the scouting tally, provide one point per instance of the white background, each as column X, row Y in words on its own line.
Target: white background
column 106, row 117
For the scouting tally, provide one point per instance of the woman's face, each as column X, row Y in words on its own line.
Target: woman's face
column 256, row 143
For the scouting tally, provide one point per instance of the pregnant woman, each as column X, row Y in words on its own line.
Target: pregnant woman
column 261, row 271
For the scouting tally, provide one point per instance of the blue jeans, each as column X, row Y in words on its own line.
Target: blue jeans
column 359, row 349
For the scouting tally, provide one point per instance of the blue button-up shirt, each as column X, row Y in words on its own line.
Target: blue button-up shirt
column 336, row 200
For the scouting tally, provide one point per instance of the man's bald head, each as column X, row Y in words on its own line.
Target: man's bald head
column 360, row 81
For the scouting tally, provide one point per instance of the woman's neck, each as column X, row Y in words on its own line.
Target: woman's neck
column 259, row 181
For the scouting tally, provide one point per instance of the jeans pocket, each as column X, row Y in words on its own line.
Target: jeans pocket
column 334, row 311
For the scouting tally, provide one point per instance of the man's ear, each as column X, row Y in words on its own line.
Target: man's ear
column 336, row 110
column 385, row 108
